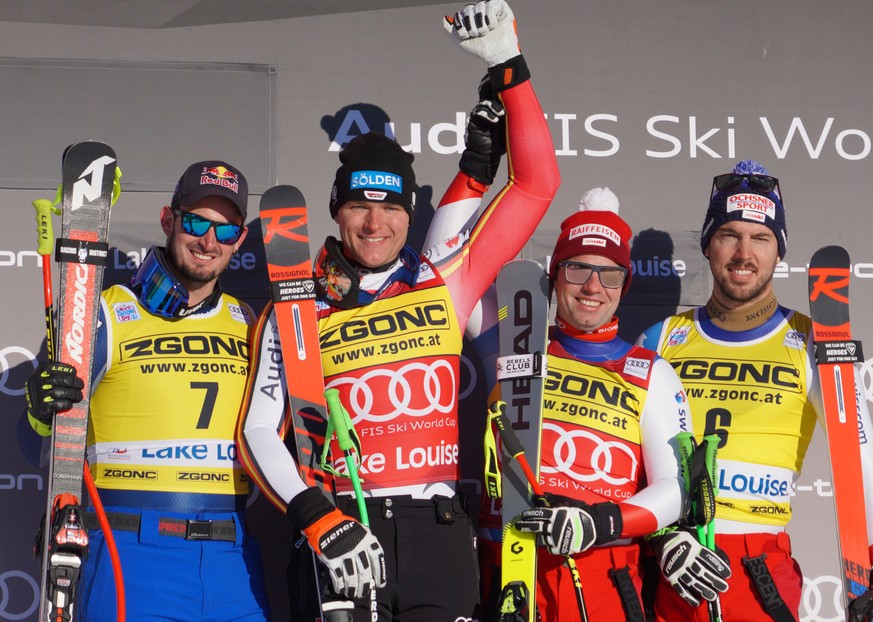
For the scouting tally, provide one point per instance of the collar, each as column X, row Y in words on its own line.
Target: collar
column 745, row 318
column 347, row 285
column 604, row 333
column 601, row 346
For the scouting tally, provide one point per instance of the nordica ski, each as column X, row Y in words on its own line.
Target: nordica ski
column 836, row 353
column 523, row 315
column 82, row 250
column 284, row 224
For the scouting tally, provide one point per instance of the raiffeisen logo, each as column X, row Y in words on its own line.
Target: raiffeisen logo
column 657, row 267
column 860, row 270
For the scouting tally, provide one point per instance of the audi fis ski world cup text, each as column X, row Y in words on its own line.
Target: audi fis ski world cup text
column 600, row 135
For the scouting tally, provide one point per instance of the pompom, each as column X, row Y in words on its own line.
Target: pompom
column 599, row 200
column 750, row 167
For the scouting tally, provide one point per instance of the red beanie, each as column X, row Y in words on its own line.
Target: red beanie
column 596, row 229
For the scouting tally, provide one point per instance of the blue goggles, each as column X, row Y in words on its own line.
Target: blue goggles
column 192, row 224
column 161, row 293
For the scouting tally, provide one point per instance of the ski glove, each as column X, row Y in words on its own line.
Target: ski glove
column 350, row 552
column 484, row 138
column 695, row 572
column 485, row 29
column 52, row 387
column 568, row 530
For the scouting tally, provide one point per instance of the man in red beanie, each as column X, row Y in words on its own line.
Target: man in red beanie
column 391, row 325
column 609, row 463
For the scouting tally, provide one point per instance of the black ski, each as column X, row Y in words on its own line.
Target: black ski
column 82, row 251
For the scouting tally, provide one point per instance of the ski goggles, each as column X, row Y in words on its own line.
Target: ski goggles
column 578, row 273
column 763, row 184
column 159, row 290
column 192, row 224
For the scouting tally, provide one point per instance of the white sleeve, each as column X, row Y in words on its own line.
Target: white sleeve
column 664, row 415
column 267, row 458
column 865, row 431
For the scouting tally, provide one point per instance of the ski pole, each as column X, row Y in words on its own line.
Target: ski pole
column 515, row 450
column 699, row 471
column 342, row 425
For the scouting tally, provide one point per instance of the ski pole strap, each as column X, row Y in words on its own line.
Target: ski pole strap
column 700, row 478
column 339, row 424
column 627, row 593
column 492, row 466
column 774, row 606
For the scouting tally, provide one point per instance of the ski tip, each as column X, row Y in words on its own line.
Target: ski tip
column 282, row 195
column 832, row 255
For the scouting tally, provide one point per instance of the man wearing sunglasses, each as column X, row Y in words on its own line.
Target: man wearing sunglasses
column 170, row 367
column 391, row 323
column 608, row 467
column 747, row 364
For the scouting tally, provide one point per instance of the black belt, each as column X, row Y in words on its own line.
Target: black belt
column 224, row 530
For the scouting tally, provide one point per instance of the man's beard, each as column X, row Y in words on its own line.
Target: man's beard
column 186, row 272
column 741, row 295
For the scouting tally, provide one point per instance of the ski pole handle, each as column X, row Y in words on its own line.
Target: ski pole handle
column 339, row 418
column 514, row 448
column 45, row 239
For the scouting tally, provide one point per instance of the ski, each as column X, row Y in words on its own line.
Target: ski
column 82, row 251
column 523, row 315
column 284, row 225
column 286, row 244
column 836, row 353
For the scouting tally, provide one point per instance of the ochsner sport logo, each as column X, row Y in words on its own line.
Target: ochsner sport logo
column 90, row 190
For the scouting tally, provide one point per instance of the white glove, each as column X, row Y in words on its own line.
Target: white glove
column 694, row 571
column 350, row 552
column 566, row 530
column 485, row 29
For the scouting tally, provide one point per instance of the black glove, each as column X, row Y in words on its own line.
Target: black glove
column 52, row 387
column 568, row 530
column 349, row 550
column 695, row 572
column 485, row 137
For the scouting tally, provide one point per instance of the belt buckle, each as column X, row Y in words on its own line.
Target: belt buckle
column 198, row 530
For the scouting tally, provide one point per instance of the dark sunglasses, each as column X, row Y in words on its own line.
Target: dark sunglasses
column 192, row 224
column 578, row 273
column 758, row 183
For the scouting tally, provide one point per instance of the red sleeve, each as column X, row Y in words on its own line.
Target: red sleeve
column 512, row 216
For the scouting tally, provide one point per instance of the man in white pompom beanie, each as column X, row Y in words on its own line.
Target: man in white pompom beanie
column 611, row 410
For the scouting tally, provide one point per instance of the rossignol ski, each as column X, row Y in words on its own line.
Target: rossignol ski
column 835, row 354
column 523, row 315
column 81, row 251
column 284, row 225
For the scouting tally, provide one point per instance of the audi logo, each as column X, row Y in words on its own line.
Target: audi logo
column 5, row 368
column 11, row 585
column 822, row 595
column 433, row 387
column 603, row 463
